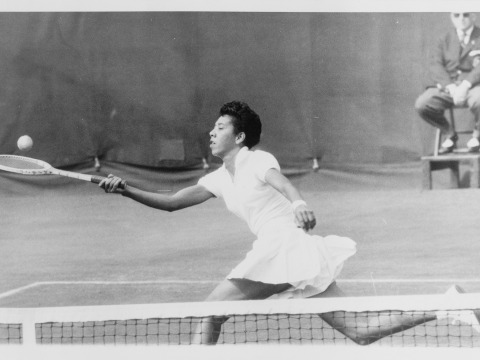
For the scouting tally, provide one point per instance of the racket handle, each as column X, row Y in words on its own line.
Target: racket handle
column 97, row 179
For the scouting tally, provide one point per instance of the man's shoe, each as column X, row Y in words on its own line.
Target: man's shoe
column 448, row 145
column 473, row 145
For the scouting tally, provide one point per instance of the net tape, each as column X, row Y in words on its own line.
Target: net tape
column 265, row 321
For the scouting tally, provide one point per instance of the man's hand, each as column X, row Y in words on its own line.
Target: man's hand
column 451, row 89
column 460, row 94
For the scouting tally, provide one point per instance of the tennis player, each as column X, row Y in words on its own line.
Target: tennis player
column 285, row 261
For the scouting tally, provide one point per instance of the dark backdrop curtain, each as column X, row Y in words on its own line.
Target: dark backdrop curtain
column 144, row 88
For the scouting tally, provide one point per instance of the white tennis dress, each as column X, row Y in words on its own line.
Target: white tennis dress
column 282, row 252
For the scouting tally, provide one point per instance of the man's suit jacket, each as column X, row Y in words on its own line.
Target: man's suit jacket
column 451, row 63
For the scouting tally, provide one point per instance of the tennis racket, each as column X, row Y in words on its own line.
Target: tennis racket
column 28, row 166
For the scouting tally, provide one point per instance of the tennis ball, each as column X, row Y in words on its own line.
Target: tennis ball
column 25, row 143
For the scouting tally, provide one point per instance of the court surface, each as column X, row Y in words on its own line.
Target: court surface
column 66, row 242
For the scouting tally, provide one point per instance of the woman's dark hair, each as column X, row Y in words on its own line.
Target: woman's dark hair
column 244, row 120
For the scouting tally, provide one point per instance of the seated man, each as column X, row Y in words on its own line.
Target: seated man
column 455, row 80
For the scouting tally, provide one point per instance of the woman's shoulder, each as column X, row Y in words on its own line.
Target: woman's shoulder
column 259, row 154
column 214, row 181
column 216, row 173
column 261, row 161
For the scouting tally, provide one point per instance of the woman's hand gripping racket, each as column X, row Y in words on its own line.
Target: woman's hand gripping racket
column 112, row 183
column 28, row 166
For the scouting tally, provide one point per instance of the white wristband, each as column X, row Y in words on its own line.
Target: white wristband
column 298, row 203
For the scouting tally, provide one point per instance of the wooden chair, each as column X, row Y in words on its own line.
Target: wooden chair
column 451, row 161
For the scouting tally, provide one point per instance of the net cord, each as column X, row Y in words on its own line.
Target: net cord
column 225, row 308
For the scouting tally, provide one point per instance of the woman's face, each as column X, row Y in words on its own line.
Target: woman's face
column 222, row 137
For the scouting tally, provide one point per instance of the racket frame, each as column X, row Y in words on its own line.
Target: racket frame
column 48, row 169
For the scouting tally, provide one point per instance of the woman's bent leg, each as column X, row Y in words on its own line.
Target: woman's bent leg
column 208, row 331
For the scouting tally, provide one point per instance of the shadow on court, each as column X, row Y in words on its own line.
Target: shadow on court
column 66, row 242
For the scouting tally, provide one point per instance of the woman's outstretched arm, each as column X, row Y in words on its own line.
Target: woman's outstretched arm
column 184, row 198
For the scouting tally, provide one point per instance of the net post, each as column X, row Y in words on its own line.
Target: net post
column 28, row 334
column 28, row 330
column 97, row 164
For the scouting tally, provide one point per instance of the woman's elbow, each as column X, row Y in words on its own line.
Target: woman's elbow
column 171, row 209
column 172, row 206
column 164, row 205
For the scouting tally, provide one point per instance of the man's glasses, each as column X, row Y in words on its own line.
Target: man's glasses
column 465, row 15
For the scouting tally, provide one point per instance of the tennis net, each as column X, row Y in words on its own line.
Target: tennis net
column 440, row 320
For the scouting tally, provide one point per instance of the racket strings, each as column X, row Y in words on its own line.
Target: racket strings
column 21, row 163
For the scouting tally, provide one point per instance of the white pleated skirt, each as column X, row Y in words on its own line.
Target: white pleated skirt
column 287, row 254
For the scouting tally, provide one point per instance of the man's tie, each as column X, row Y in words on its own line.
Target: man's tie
column 462, row 37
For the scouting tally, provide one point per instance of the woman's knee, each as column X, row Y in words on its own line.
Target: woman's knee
column 361, row 337
column 353, row 327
